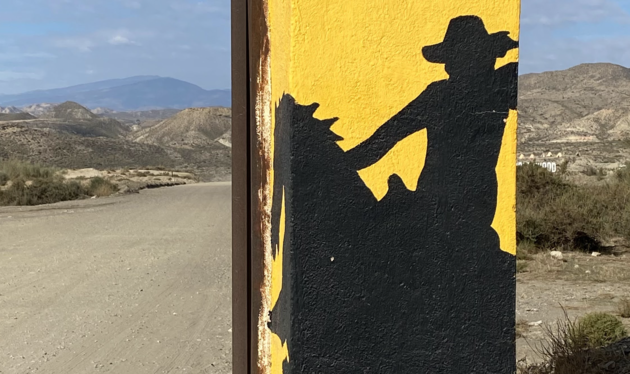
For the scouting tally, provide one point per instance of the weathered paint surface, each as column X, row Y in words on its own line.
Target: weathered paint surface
column 392, row 186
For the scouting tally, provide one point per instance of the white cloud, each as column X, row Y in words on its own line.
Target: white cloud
column 80, row 43
column 121, row 40
column 558, row 12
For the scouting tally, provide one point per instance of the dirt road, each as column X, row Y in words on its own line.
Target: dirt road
column 130, row 284
column 578, row 285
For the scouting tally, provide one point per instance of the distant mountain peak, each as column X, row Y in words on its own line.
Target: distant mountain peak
column 10, row 109
column 140, row 92
column 585, row 103
column 71, row 110
column 189, row 127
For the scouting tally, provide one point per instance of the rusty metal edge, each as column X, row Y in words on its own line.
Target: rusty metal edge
column 241, row 187
column 258, row 48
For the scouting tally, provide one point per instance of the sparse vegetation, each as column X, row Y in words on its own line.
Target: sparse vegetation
column 599, row 329
column 563, row 167
column 624, row 308
column 521, row 327
column 4, row 178
column 590, row 171
column 32, row 184
column 101, row 187
column 553, row 213
column 579, row 347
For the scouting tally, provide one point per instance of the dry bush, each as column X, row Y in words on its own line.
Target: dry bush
column 521, row 266
column 41, row 191
column 524, row 251
column 33, row 184
column 4, row 178
column 571, row 348
column 623, row 308
column 101, row 187
column 15, row 169
column 600, row 329
column 590, row 171
column 521, row 328
column 555, row 214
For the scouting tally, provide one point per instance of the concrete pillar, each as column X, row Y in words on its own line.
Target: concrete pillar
column 383, row 186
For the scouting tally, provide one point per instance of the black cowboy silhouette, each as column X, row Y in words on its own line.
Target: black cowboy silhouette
column 417, row 282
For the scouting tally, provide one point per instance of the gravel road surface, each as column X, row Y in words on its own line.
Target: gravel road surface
column 128, row 284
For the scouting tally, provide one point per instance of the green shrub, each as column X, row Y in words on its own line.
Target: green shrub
column 534, row 180
column 567, row 349
column 15, row 169
column 600, row 329
column 41, row 191
column 33, row 184
column 555, row 214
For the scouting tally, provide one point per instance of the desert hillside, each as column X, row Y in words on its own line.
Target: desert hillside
column 69, row 135
column 582, row 113
column 75, row 119
column 192, row 127
column 137, row 117
column 38, row 110
column 15, row 116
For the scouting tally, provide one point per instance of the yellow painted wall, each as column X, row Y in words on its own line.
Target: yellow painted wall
column 361, row 60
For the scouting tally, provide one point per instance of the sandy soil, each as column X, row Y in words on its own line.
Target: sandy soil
column 126, row 284
column 577, row 285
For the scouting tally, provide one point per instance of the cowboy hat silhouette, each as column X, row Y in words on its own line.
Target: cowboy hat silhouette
column 467, row 37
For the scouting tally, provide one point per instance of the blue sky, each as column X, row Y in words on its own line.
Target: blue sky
column 55, row 43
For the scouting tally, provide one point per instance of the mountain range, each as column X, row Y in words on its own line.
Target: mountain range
column 69, row 135
column 581, row 113
column 128, row 94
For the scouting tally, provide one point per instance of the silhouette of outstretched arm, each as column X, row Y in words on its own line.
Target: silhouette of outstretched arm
column 406, row 122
